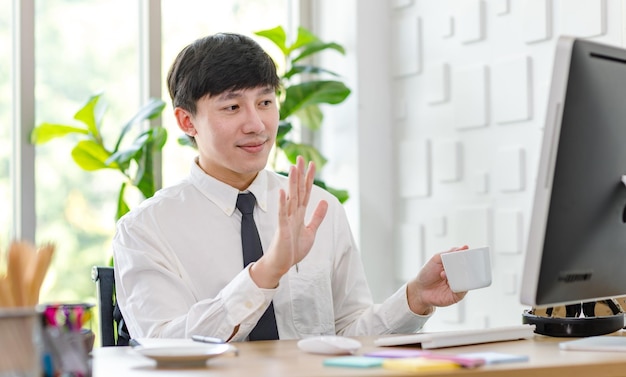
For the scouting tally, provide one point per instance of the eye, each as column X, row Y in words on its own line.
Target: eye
column 231, row 107
column 266, row 103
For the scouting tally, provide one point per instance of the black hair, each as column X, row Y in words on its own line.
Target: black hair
column 217, row 63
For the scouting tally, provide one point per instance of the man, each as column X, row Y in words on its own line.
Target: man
column 178, row 257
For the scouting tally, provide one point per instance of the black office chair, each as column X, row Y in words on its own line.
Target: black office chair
column 113, row 331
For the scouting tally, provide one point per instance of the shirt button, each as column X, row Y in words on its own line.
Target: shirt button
column 248, row 304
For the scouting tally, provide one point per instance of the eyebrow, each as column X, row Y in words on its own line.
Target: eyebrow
column 230, row 94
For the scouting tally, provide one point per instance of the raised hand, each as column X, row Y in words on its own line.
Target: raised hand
column 293, row 239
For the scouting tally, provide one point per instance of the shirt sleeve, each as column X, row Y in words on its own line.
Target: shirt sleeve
column 157, row 300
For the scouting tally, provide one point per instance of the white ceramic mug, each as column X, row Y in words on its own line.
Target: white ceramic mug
column 467, row 269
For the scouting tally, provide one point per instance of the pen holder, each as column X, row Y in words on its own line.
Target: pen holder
column 19, row 342
column 67, row 340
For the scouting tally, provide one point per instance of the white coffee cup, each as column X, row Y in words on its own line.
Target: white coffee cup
column 467, row 269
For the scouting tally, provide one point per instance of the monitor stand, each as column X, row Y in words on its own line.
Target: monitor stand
column 577, row 326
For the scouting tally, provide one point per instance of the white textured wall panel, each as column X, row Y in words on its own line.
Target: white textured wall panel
column 470, row 20
column 502, row 7
column 473, row 226
column 438, row 83
column 537, row 21
column 510, row 171
column 407, row 45
column 469, row 95
column 411, row 260
column 438, row 226
column 402, row 3
column 480, row 182
column 507, row 231
column 586, row 18
column 447, row 161
column 511, row 84
column 414, row 161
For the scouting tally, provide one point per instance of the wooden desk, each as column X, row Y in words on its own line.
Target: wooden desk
column 283, row 358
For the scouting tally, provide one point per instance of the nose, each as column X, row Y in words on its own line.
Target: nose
column 253, row 122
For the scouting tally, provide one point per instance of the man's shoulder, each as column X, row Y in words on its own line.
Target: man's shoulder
column 163, row 200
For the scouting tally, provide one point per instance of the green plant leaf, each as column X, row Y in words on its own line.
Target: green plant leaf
column 314, row 48
column 303, row 38
column 283, row 129
column 308, row 70
column 308, row 152
column 90, row 155
column 312, row 92
column 311, row 117
column 278, row 36
column 152, row 109
column 90, row 117
column 124, row 156
column 48, row 131
column 340, row 194
column 122, row 206
column 144, row 179
column 157, row 136
column 184, row 140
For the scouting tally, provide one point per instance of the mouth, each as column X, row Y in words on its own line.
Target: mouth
column 255, row 146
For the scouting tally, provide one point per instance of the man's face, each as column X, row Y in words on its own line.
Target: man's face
column 235, row 132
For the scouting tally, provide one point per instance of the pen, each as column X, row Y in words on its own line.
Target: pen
column 212, row 340
column 206, row 339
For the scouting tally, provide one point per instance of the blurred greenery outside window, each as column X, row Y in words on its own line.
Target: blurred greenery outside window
column 79, row 53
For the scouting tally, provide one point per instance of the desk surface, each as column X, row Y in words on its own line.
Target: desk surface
column 283, row 358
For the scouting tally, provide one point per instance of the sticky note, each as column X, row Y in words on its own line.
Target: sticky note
column 397, row 353
column 496, row 357
column 354, row 362
column 419, row 364
column 464, row 361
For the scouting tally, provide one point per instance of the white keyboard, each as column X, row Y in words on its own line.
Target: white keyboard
column 460, row 338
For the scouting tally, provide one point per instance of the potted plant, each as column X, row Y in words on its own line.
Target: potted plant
column 133, row 160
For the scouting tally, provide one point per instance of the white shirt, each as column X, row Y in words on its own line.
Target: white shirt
column 179, row 269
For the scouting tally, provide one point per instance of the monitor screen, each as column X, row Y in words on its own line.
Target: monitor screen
column 576, row 249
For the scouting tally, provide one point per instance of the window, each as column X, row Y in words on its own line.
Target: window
column 6, row 104
column 81, row 48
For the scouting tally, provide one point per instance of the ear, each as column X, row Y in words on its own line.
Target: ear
column 185, row 122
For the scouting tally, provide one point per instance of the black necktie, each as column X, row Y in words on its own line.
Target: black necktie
column 265, row 329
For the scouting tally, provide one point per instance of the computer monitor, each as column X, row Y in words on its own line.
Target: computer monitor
column 576, row 249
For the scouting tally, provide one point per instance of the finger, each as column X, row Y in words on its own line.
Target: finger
column 301, row 180
column 293, row 190
column 282, row 208
column 318, row 216
column 310, row 179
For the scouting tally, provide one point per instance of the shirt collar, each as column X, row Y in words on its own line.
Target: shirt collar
column 224, row 195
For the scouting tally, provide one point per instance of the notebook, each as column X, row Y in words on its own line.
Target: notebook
column 461, row 337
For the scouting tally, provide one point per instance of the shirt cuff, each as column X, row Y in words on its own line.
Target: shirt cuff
column 243, row 298
column 403, row 320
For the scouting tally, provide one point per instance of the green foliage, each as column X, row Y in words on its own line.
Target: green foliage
column 304, row 89
column 134, row 162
